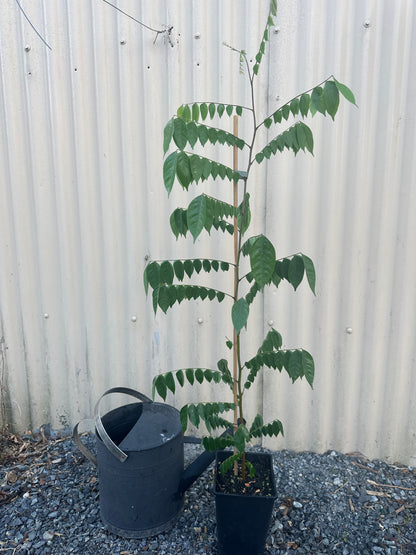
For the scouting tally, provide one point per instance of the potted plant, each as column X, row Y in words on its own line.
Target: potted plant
column 244, row 483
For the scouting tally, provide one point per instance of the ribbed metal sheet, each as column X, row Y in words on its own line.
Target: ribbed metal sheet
column 82, row 208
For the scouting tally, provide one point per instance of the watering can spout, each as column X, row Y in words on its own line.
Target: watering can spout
column 194, row 470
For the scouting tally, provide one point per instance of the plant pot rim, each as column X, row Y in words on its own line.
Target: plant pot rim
column 245, row 495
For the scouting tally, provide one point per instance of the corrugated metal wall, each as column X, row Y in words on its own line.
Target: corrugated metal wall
column 82, row 207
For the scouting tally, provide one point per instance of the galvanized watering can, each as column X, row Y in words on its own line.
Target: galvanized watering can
column 140, row 464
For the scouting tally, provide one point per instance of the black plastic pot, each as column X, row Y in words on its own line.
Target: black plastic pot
column 243, row 520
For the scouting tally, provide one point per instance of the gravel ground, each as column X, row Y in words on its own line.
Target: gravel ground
column 328, row 503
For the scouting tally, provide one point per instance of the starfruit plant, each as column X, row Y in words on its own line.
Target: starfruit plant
column 193, row 127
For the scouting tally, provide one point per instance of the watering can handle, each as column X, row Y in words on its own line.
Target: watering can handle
column 84, row 450
column 108, row 442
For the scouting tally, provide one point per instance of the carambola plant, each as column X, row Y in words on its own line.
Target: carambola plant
column 193, row 127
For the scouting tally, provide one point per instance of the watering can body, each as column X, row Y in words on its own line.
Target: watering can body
column 140, row 460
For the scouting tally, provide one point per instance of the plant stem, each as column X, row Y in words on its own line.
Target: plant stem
column 236, row 281
column 237, row 251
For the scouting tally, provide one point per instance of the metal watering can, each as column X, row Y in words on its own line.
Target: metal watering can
column 140, row 464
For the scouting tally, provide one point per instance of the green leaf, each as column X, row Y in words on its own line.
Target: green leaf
column 183, row 170
column 206, row 168
column 214, row 170
column 170, row 382
column 178, row 222
column 195, row 163
column 239, row 314
column 179, row 133
column 238, row 110
column 294, row 106
column 317, row 100
column 189, row 373
column 308, row 367
column 211, row 110
column 183, row 415
column 152, row 272
column 178, row 269
column 202, row 134
column 192, row 133
column 167, row 135
column 262, row 260
column 345, row 91
column 244, row 207
column 160, row 386
column 277, row 116
column 197, row 265
column 155, row 299
column 180, row 377
column 259, row 157
column 241, row 436
column 295, row 367
column 220, row 109
column 166, row 273
column 220, row 296
column 163, row 299
column 204, row 110
column 206, row 264
column 193, row 415
column 309, row 138
column 169, row 170
column 296, row 271
column 229, row 109
column 304, row 104
column 188, row 267
column 310, row 272
column 331, row 98
column 197, row 212
column 186, row 115
column 228, row 463
column 245, row 249
column 195, row 112
column 301, row 135
column 211, row 294
column 286, row 111
column 222, row 136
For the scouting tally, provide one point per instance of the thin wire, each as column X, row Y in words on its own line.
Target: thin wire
column 134, row 19
column 31, row 24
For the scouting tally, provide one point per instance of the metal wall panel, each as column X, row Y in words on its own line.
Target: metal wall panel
column 82, row 208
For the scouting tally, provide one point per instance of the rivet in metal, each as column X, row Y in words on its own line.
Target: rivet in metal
column 270, row 322
column 27, row 48
column 134, row 318
column 366, row 24
column 46, row 315
column 200, row 320
column 197, row 35
column 123, row 41
column 348, row 330
column 276, row 30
